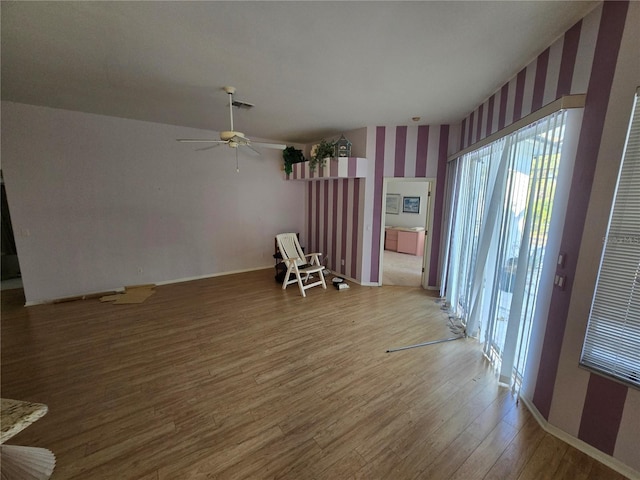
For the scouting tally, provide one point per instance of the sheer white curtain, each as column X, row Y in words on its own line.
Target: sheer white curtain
column 529, row 202
column 470, row 178
column 502, row 199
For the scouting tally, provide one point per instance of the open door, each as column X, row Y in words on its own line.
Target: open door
column 405, row 241
column 10, row 266
column 426, row 256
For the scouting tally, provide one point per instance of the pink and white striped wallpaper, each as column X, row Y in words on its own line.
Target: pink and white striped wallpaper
column 344, row 167
column 561, row 69
column 408, row 152
column 335, row 223
column 598, row 404
column 345, row 214
column 585, row 405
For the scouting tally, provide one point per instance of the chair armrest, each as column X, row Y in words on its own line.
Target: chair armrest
column 315, row 260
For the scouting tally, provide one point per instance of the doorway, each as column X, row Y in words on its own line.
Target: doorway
column 10, row 267
column 405, row 241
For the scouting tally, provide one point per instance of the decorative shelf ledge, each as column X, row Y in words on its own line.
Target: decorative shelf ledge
column 341, row 167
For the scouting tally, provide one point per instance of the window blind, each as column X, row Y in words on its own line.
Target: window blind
column 612, row 341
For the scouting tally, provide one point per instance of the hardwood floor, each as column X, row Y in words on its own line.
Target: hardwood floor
column 401, row 269
column 232, row 378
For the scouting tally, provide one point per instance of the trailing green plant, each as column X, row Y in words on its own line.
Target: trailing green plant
column 291, row 155
column 324, row 150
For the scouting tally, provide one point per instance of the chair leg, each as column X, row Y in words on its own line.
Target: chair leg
column 324, row 284
column 300, row 284
column 286, row 278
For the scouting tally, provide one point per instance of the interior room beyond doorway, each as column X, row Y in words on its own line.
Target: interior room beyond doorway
column 405, row 238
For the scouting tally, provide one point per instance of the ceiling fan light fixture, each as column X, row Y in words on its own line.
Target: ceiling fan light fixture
column 229, row 134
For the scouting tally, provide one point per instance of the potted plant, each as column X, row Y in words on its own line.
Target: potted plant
column 324, row 150
column 291, row 155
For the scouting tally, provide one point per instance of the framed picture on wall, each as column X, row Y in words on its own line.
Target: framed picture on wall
column 393, row 203
column 411, row 205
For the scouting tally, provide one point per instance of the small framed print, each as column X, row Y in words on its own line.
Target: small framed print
column 393, row 203
column 411, row 205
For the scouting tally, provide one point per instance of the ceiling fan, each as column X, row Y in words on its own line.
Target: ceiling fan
column 233, row 138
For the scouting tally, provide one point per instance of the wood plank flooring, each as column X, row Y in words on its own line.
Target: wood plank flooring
column 401, row 269
column 233, row 378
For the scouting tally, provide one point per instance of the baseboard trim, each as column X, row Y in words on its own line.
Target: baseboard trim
column 210, row 275
column 584, row 447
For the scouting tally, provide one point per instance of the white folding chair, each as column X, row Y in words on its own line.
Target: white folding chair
column 299, row 264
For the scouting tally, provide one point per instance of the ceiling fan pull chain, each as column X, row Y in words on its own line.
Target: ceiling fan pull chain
column 237, row 166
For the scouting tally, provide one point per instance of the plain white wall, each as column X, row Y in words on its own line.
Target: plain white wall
column 408, row 189
column 100, row 202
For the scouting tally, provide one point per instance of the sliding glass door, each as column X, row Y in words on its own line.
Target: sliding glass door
column 501, row 201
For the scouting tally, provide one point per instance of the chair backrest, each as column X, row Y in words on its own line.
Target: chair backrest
column 290, row 247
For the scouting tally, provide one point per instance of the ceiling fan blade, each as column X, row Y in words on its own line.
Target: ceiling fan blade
column 253, row 151
column 199, row 140
column 208, row 148
column 269, row 145
column 233, row 138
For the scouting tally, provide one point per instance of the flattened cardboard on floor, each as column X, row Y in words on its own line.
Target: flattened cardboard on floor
column 131, row 294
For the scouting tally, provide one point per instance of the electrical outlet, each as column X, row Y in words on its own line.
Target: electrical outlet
column 342, row 262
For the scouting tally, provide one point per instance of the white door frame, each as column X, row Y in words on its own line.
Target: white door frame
column 426, row 254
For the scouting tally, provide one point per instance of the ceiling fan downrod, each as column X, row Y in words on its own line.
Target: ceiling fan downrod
column 230, row 91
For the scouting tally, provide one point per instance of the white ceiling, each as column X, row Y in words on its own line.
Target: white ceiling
column 312, row 69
